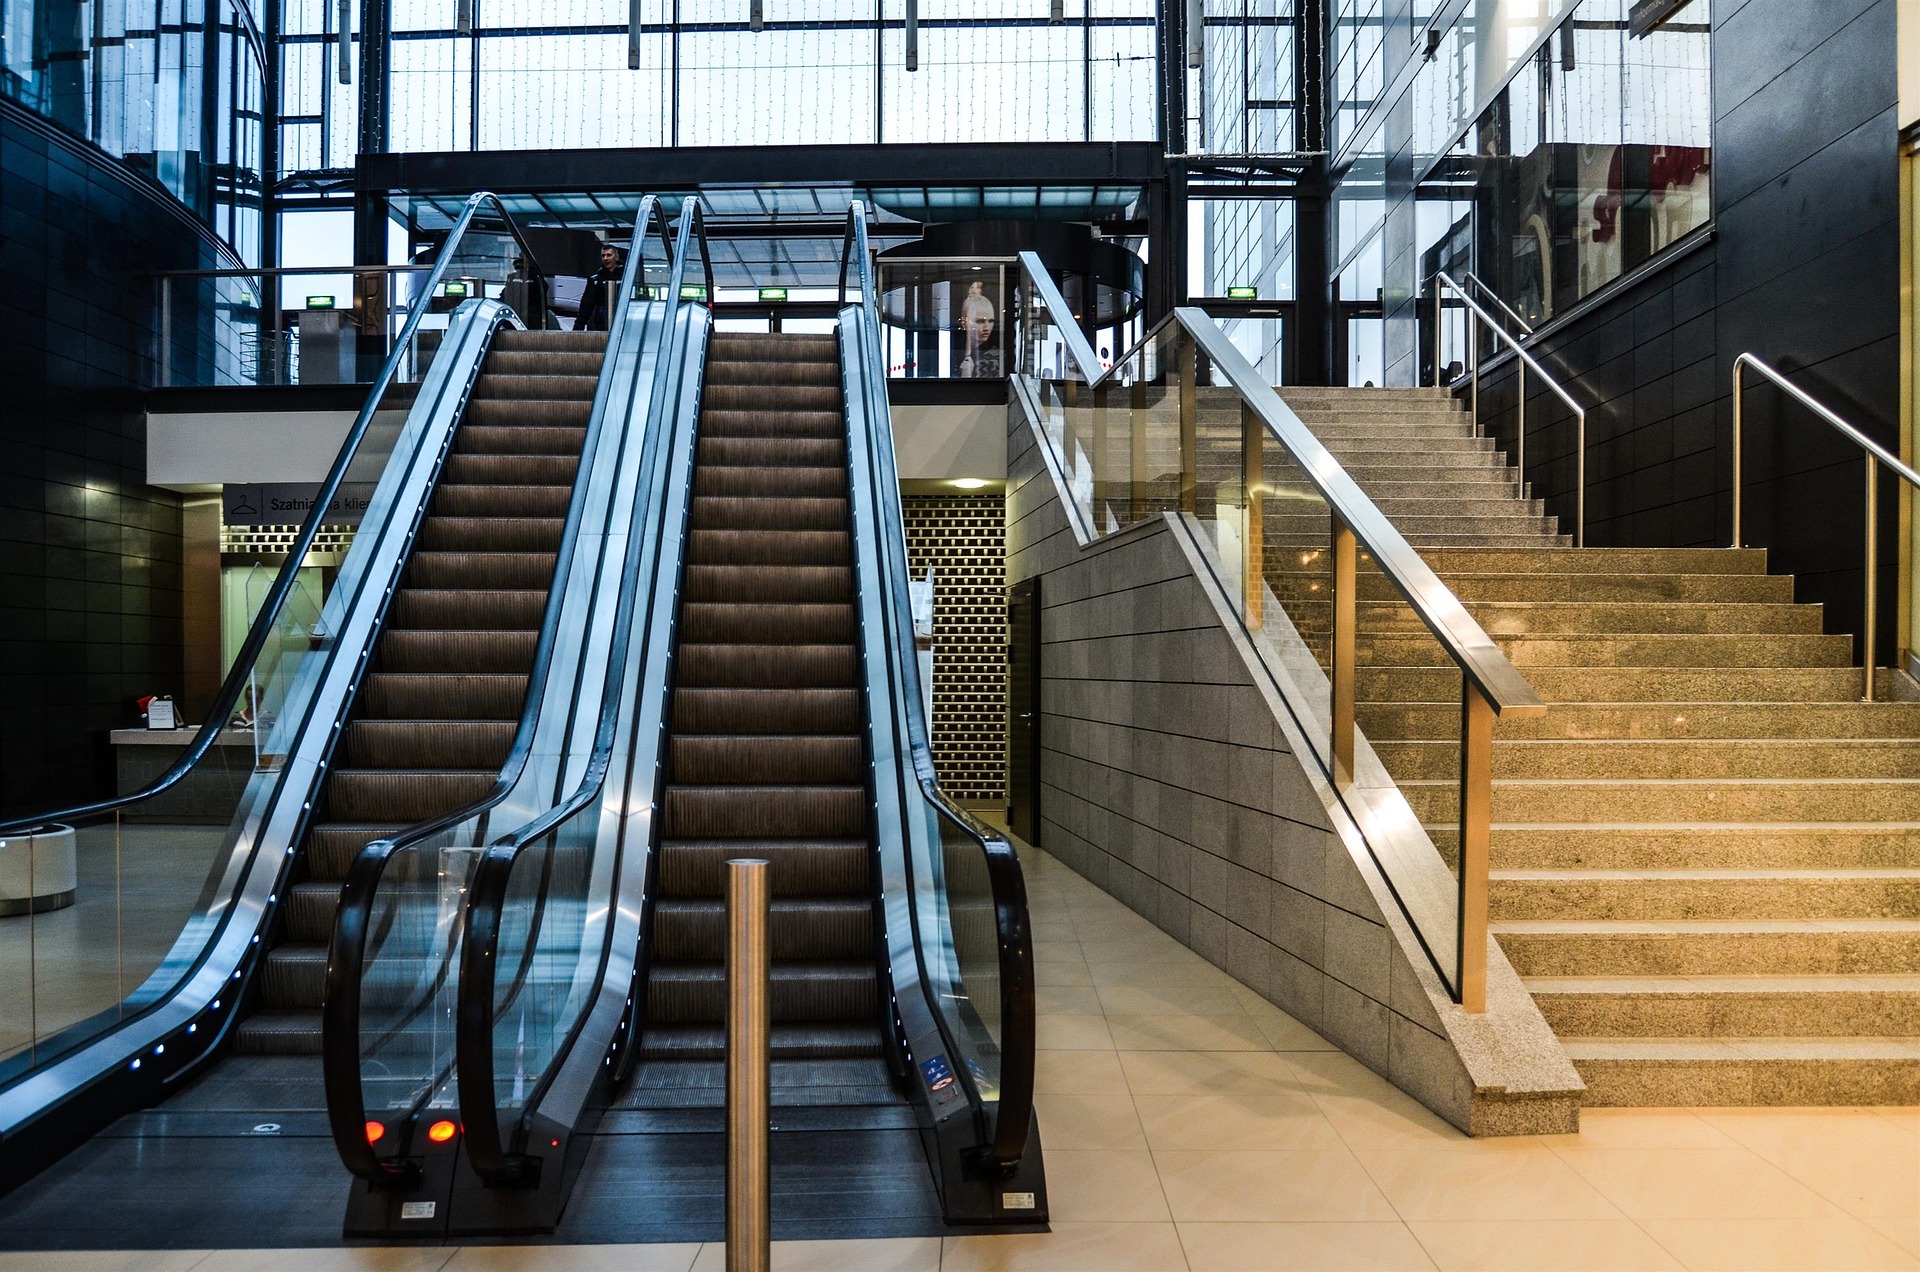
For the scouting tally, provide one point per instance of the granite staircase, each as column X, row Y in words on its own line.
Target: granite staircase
column 1706, row 856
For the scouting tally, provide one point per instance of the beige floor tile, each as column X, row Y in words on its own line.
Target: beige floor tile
column 1840, row 1243
column 1302, row 1247
column 1079, row 1000
column 1282, row 1031
column 1186, row 1033
column 1061, row 971
column 1078, row 1073
column 1861, row 1182
column 894, row 1254
column 1903, row 1232
column 1308, row 1184
column 1208, row 1073
column 1775, row 1133
column 1065, row 1031
column 1234, row 1122
column 1088, row 1121
column 1162, row 1000
column 101, row 1260
column 1695, row 1183
column 358, row 1259
column 1592, row 1245
column 1110, row 1185
column 1483, row 1179
column 1907, row 1118
column 1642, row 1128
column 1071, row 1247
column 585, row 1258
column 1367, row 1110
column 1165, row 973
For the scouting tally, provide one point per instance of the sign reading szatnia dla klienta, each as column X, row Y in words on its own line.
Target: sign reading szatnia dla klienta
column 288, row 503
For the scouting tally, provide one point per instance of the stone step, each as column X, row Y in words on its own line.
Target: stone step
column 1680, row 588
column 1415, row 525
column 1603, row 561
column 1523, row 618
column 1490, row 484
column 1662, row 759
column 1705, row 894
column 1403, row 721
column 1725, row 800
column 1400, row 508
column 1730, row 1006
column 1625, row 1072
column 1711, row 846
column 1427, row 542
column 1368, row 471
column 1709, row 947
column 1412, row 450
column 1636, row 685
column 1636, row 649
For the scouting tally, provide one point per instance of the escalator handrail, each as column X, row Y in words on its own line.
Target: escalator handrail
column 228, row 699
column 346, row 961
column 487, row 1148
column 1005, row 877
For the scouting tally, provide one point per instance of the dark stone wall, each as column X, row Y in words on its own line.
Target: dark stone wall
column 89, row 554
column 1803, row 270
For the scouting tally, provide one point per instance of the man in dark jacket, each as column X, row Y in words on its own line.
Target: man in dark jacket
column 594, row 314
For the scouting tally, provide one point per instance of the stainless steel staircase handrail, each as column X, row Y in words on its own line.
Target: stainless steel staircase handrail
column 1875, row 456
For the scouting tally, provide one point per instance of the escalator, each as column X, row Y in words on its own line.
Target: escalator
column 776, row 713
column 199, row 1106
column 435, row 720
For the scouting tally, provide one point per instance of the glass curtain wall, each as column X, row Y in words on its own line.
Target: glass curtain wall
column 171, row 88
column 554, row 74
column 1541, row 145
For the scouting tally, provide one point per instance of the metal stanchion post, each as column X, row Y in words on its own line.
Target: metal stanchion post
column 749, row 1179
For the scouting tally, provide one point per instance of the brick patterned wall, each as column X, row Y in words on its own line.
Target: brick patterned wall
column 963, row 538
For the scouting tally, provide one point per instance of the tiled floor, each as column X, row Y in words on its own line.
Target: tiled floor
column 1190, row 1125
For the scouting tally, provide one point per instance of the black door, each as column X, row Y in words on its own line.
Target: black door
column 1023, row 710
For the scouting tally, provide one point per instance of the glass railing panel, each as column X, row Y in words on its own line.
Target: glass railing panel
column 407, row 994
column 960, row 937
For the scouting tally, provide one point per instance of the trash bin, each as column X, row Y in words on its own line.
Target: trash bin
column 37, row 870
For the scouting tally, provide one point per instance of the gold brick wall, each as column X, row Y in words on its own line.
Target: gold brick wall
column 964, row 539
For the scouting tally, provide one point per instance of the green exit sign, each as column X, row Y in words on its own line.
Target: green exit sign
column 455, row 289
column 690, row 292
column 1243, row 293
column 773, row 293
column 320, row 302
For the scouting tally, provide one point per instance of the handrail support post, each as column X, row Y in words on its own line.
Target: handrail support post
column 1738, row 412
column 1869, row 628
column 1476, row 833
column 749, row 1083
column 1345, row 652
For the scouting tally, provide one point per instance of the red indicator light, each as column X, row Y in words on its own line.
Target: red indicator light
column 374, row 1131
column 440, row 1132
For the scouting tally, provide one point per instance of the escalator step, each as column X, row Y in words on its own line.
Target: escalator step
column 756, row 397
column 808, row 928
column 279, row 1033
column 491, row 534
column 801, row 991
column 403, row 795
column 764, row 812
column 452, row 499
column 762, row 482
column 766, row 710
column 787, row 624
column 775, row 452
column 717, row 513
column 310, row 909
column 332, row 846
column 534, row 388
column 515, row 428
column 750, row 547
column 493, row 468
column 772, row 666
column 517, row 340
column 407, row 695
column 745, row 759
column 505, row 361
column 749, row 423
column 481, row 569
column 708, row 1043
column 722, row 369
column 470, row 744
column 490, row 654
column 743, row 346
column 294, row 977
column 466, row 609
column 768, row 584
column 824, row 867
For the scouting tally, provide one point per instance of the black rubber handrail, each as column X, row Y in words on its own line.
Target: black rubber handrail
column 346, row 960
column 228, row 699
column 489, row 1148
column 1007, row 881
